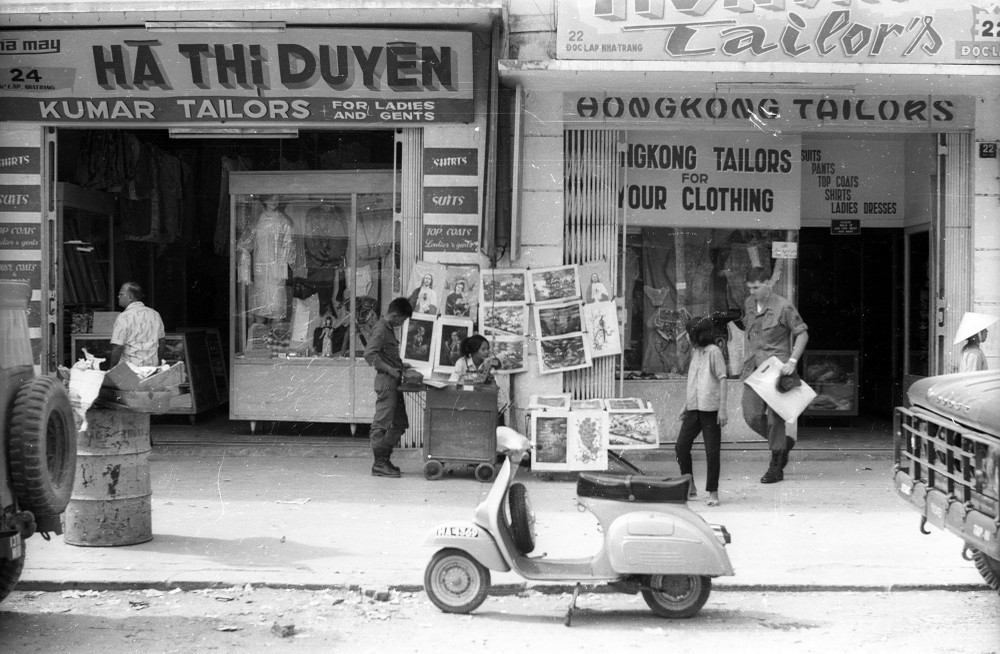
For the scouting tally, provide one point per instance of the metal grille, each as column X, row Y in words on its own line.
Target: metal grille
column 590, row 231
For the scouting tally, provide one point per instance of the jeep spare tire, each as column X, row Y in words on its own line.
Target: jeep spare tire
column 42, row 446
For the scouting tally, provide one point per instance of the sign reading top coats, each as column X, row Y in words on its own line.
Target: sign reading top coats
column 301, row 75
column 746, row 181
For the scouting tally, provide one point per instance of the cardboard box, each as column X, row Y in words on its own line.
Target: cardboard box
column 138, row 401
column 124, row 378
column 104, row 322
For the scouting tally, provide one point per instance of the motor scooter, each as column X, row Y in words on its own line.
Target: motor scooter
column 653, row 542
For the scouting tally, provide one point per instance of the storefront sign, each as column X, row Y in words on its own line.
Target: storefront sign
column 451, row 161
column 20, row 161
column 845, row 227
column 451, row 199
column 451, row 238
column 861, row 179
column 20, row 236
column 303, row 75
column 773, row 112
column 25, row 271
column 711, row 180
column 801, row 31
column 784, row 250
column 20, row 198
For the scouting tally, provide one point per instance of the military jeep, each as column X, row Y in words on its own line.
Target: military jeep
column 38, row 448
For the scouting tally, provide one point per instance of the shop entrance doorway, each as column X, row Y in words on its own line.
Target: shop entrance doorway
column 851, row 296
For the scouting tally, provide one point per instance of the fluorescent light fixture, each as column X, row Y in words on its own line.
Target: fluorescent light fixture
column 215, row 26
column 797, row 87
column 233, row 133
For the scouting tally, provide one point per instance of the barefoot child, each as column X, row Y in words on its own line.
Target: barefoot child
column 705, row 406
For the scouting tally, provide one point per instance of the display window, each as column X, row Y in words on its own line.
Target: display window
column 674, row 275
column 313, row 271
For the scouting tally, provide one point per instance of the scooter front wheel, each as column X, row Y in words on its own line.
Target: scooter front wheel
column 677, row 596
column 455, row 582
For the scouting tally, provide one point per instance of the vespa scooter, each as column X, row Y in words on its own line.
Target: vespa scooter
column 653, row 542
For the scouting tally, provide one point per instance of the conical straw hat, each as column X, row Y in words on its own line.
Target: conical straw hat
column 972, row 324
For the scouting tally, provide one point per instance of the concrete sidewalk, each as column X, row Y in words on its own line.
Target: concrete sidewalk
column 316, row 518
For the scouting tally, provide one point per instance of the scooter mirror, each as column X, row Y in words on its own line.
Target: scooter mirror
column 510, row 442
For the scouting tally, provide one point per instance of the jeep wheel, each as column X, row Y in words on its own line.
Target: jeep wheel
column 989, row 568
column 42, row 447
column 10, row 572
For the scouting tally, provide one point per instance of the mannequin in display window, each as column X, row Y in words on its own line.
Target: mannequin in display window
column 265, row 253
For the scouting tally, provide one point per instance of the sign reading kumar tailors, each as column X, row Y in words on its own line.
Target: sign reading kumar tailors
column 328, row 76
column 872, row 31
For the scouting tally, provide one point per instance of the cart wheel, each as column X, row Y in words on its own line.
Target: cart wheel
column 433, row 469
column 485, row 472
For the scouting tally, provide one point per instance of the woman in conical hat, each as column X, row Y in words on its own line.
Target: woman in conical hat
column 972, row 330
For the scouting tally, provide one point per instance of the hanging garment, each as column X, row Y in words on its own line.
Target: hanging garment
column 270, row 244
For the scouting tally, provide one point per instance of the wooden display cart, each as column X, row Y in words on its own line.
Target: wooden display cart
column 460, row 426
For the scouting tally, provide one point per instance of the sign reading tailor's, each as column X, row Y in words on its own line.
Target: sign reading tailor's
column 711, row 180
column 451, row 161
column 20, row 236
column 811, row 31
column 20, row 161
column 301, row 75
column 451, row 238
column 451, row 199
column 773, row 112
column 20, row 197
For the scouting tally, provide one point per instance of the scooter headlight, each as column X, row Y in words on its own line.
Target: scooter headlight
column 722, row 534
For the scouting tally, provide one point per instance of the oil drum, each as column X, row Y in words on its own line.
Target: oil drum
column 111, row 500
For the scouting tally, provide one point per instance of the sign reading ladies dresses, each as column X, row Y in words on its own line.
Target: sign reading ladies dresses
column 711, row 180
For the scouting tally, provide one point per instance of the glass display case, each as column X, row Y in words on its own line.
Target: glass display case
column 833, row 374
column 314, row 263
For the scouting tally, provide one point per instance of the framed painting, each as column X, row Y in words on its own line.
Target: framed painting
column 595, row 282
column 554, row 284
column 633, row 430
column 553, row 401
column 569, row 440
column 595, row 404
column 503, row 285
column 563, row 353
column 601, row 320
column 449, row 332
column 509, row 351
column 461, row 287
column 631, row 404
column 559, row 319
column 510, row 319
column 418, row 340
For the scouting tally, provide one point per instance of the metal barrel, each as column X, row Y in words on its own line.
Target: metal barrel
column 111, row 500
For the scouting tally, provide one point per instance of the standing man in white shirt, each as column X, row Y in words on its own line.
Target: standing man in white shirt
column 138, row 336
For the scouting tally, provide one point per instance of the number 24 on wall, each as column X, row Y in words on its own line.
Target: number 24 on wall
column 19, row 75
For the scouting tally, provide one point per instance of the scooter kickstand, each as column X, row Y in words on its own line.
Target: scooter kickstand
column 572, row 605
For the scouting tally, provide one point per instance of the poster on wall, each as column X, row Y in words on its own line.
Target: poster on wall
column 509, row 318
column 595, row 278
column 427, row 287
column 418, row 341
column 461, row 287
column 558, row 319
column 601, row 319
column 563, row 353
column 449, row 332
column 503, row 285
column 509, row 351
column 569, row 440
column 553, row 284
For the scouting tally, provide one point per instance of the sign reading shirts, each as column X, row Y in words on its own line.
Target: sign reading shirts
column 746, row 181
column 829, row 31
column 302, row 75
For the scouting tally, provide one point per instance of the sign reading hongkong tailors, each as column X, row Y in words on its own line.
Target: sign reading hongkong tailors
column 301, row 75
column 810, row 31
column 746, row 181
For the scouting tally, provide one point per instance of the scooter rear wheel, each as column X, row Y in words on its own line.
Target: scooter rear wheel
column 455, row 582
column 677, row 596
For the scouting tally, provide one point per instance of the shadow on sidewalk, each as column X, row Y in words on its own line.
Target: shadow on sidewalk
column 254, row 551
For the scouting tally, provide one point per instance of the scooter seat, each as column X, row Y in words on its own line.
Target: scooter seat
column 632, row 488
